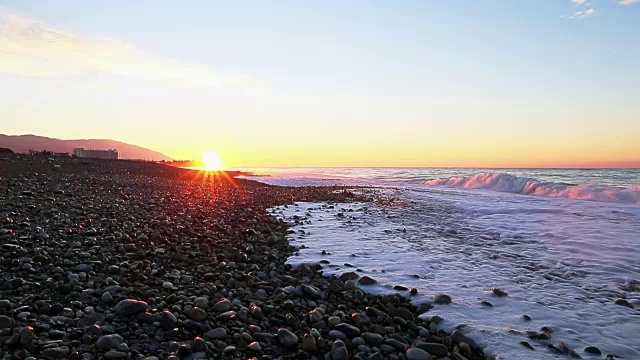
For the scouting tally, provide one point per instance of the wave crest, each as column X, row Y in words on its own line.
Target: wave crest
column 526, row 186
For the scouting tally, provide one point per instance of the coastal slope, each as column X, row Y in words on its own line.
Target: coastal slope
column 24, row 143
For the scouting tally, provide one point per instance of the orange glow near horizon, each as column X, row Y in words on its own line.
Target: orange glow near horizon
column 455, row 154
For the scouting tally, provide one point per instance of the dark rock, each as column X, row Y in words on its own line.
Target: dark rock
column 109, row 341
column 527, row 345
column 215, row 334
column 6, row 322
column 623, row 302
column 366, row 280
column 168, row 320
column 287, row 338
column 348, row 276
column 434, row 349
column 339, row 351
column 459, row 337
column 90, row 319
column 130, row 307
column 499, row 292
column 221, row 306
column 593, row 350
column 442, row 299
column 417, row 354
column 309, row 344
column 59, row 352
column 347, row 329
column 373, row 339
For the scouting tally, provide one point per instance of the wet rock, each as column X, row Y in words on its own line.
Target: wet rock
column 336, row 334
column 315, row 316
column 459, row 337
column 309, row 344
column 215, row 334
column 59, row 352
column 6, row 322
column 109, row 341
column 527, row 345
column 442, row 299
column 90, row 319
column 254, row 346
column 366, row 280
column 106, row 297
column 114, row 354
column 434, row 348
column 168, row 321
column 26, row 335
column 499, row 292
column 348, row 276
column 221, row 306
column 339, row 351
column 348, row 329
column 593, row 350
column 287, row 338
column 83, row 268
column 401, row 312
column 417, row 354
column 199, row 344
column 129, row 307
column 623, row 302
column 197, row 314
column 225, row 316
column 373, row 339
column 201, row 302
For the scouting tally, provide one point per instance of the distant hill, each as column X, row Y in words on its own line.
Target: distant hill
column 22, row 144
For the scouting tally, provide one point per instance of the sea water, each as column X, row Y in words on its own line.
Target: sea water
column 563, row 244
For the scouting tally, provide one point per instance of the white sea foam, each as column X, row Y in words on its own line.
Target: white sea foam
column 527, row 186
column 562, row 262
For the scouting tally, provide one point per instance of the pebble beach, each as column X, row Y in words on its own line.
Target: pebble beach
column 130, row 260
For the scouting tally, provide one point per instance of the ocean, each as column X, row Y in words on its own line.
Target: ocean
column 563, row 243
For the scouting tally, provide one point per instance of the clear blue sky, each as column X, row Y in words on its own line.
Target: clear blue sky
column 475, row 79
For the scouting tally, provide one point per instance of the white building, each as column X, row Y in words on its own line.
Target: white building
column 111, row 154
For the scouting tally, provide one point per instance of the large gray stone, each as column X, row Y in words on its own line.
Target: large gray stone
column 434, row 348
column 130, row 307
column 348, row 329
column 287, row 338
column 107, row 342
column 222, row 306
column 339, row 351
column 417, row 354
column 6, row 322
column 215, row 334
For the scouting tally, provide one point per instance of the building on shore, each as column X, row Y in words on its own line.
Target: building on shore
column 40, row 152
column 110, row 154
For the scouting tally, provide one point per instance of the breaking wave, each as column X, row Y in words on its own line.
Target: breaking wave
column 526, row 186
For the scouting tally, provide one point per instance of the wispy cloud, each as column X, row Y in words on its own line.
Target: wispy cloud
column 629, row 2
column 579, row 2
column 32, row 48
column 582, row 14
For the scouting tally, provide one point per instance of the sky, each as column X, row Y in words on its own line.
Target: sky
column 492, row 83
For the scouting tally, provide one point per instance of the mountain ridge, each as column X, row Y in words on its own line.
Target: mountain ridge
column 24, row 143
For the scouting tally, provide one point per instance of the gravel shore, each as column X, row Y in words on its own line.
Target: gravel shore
column 131, row 260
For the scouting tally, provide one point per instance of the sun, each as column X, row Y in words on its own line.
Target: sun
column 211, row 161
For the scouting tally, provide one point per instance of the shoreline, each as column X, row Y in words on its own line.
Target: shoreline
column 141, row 260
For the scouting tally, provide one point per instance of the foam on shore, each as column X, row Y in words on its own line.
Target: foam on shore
column 561, row 262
